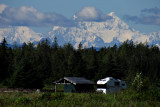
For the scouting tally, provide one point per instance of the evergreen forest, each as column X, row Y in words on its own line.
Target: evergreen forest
column 33, row 67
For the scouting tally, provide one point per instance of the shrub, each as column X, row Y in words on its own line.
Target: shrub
column 137, row 83
column 46, row 96
column 23, row 100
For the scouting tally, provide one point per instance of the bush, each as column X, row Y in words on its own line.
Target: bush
column 2, row 102
column 137, row 83
column 46, row 96
column 124, row 98
column 23, row 100
column 58, row 96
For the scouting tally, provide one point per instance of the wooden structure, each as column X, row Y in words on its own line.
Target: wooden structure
column 75, row 84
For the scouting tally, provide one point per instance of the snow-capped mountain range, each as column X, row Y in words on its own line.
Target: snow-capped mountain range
column 19, row 35
column 96, row 34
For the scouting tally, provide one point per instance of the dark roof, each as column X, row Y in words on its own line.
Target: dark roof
column 74, row 80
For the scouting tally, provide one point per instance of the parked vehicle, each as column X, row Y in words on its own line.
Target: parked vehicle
column 110, row 85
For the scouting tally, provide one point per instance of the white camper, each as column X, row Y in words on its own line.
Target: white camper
column 110, row 85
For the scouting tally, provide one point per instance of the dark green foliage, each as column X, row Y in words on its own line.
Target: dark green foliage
column 49, row 96
column 25, row 72
column 22, row 100
column 123, row 99
column 30, row 67
column 5, row 60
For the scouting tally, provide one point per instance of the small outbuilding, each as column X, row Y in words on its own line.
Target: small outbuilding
column 75, row 84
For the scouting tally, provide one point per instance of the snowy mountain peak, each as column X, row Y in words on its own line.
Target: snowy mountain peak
column 22, row 28
column 56, row 27
column 19, row 34
column 97, row 34
column 112, row 14
column 89, row 33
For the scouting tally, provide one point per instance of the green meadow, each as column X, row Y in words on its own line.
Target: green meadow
column 126, row 98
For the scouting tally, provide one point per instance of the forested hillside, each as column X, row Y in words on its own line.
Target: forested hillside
column 35, row 67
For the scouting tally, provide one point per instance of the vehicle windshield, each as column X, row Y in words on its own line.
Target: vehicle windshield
column 101, row 85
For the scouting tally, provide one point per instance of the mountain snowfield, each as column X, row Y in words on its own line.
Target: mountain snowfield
column 19, row 35
column 96, row 34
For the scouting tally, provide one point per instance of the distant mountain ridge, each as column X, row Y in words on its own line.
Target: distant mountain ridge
column 96, row 34
column 19, row 35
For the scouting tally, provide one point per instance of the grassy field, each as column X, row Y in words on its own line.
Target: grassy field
column 125, row 98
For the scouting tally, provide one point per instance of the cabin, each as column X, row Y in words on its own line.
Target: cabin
column 75, row 84
column 110, row 85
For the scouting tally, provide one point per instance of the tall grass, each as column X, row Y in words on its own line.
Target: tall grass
column 123, row 99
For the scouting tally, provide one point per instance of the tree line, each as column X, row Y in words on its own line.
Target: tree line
column 34, row 67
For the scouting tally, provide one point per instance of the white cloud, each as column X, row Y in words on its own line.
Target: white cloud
column 91, row 14
column 88, row 13
column 29, row 16
column 2, row 7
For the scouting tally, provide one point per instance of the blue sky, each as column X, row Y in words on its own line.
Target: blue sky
column 41, row 15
